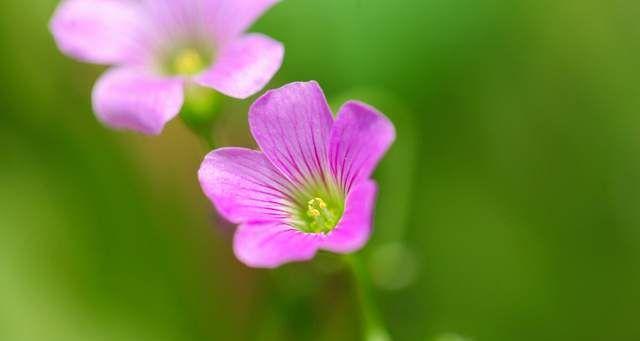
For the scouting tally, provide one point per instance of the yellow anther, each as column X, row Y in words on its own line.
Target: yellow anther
column 188, row 62
column 315, row 206
column 322, row 218
column 317, row 202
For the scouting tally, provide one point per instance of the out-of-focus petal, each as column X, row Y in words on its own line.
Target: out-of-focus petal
column 98, row 31
column 244, row 186
column 359, row 138
column 218, row 21
column 134, row 99
column 291, row 125
column 229, row 18
column 176, row 20
column 244, row 66
column 269, row 245
column 354, row 228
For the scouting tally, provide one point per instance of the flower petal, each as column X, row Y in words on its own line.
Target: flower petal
column 97, row 31
column 292, row 126
column 173, row 21
column 131, row 98
column 353, row 230
column 244, row 186
column 270, row 245
column 245, row 66
column 359, row 138
column 229, row 18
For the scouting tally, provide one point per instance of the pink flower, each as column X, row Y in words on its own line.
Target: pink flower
column 309, row 188
column 157, row 47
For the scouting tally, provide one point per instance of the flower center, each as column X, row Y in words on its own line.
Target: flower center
column 188, row 62
column 321, row 218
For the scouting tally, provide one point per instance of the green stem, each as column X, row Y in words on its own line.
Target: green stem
column 373, row 328
column 208, row 140
column 204, row 134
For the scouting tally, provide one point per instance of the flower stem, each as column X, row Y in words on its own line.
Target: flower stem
column 208, row 140
column 204, row 135
column 373, row 328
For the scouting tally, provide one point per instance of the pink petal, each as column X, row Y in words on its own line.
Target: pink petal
column 292, row 126
column 354, row 228
column 244, row 67
column 176, row 20
column 97, row 31
column 359, row 138
column 230, row 18
column 269, row 245
column 131, row 98
column 244, row 186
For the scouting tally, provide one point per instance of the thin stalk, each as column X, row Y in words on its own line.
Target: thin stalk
column 373, row 327
column 207, row 139
column 204, row 134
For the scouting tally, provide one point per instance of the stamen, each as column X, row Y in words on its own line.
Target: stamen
column 322, row 218
column 313, row 212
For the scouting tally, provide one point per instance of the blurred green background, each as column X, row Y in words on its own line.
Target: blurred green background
column 508, row 206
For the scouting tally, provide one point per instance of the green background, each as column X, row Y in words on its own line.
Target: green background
column 508, row 206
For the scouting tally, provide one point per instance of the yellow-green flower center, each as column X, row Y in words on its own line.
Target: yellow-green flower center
column 321, row 218
column 188, row 62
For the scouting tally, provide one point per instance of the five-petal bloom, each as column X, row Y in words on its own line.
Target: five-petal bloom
column 158, row 45
column 309, row 188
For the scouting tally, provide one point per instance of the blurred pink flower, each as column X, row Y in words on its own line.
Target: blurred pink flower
column 309, row 188
column 156, row 46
